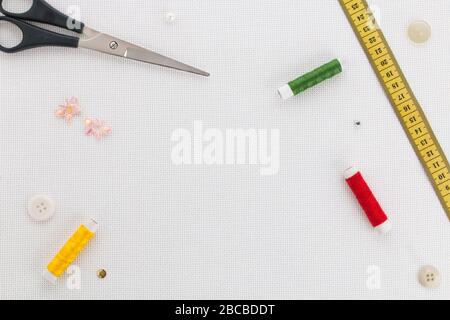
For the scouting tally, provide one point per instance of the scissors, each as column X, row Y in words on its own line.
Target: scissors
column 33, row 36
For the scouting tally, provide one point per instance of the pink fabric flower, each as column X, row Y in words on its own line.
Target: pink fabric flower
column 69, row 110
column 97, row 128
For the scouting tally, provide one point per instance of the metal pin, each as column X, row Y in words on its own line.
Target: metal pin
column 101, row 273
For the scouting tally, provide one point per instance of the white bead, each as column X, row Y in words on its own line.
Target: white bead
column 170, row 17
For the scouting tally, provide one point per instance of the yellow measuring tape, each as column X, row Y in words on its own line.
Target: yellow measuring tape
column 402, row 98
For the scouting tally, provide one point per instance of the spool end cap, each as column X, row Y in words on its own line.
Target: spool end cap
column 384, row 228
column 50, row 277
column 92, row 225
column 285, row 92
column 350, row 172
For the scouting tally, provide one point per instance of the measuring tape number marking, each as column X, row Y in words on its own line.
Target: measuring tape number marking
column 402, row 98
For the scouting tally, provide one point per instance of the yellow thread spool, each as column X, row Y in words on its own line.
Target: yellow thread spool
column 70, row 251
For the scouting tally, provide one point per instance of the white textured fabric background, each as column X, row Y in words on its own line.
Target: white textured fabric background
column 208, row 232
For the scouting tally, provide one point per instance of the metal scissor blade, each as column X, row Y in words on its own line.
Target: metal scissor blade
column 144, row 55
column 102, row 42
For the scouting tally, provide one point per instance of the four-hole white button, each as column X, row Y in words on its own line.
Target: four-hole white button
column 429, row 277
column 41, row 208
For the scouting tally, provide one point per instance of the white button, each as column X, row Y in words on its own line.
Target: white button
column 41, row 208
column 429, row 277
column 419, row 32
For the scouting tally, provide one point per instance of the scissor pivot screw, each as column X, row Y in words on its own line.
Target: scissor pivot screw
column 113, row 45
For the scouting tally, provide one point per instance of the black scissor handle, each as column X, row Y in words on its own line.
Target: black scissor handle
column 41, row 11
column 33, row 37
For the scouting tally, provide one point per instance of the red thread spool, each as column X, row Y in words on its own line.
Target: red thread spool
column 367, row 200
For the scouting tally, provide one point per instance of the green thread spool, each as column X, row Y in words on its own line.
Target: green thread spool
column 310, row 79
